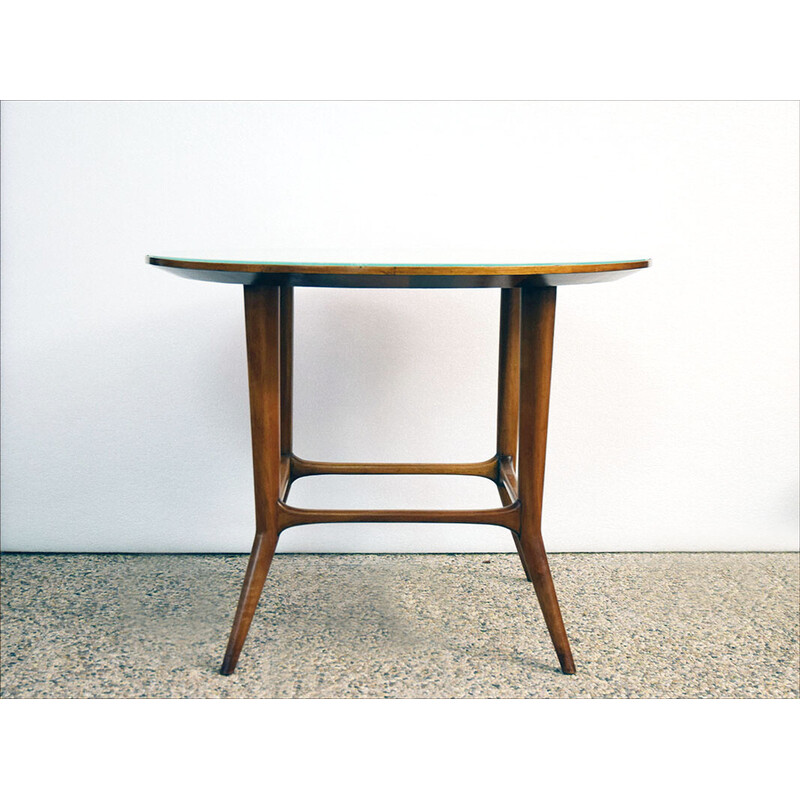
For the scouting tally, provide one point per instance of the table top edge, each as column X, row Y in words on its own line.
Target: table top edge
column 390, row 268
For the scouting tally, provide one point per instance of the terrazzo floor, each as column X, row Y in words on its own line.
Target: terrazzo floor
column 642, row 625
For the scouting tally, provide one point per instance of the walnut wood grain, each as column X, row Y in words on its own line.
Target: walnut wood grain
column 505, row 516
column 301, row 468
column 388, row 275
column 287, row 363
column 527, row 319
column 536, row 357
column 262, row 315
column 508, row 378
column 508, row 403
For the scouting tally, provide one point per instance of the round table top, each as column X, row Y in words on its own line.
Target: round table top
column 298, row 269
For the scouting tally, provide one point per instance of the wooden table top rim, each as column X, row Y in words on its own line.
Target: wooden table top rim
column 389, row 268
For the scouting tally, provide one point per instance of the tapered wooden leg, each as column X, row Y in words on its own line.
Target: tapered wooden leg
column 287, row 345
column 262, row 322
column 508, row 388
column 538, row 306
column 257, row 569
column 521, row 554
column 508, row 378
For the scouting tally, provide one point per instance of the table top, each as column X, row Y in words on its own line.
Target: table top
column 308, row 269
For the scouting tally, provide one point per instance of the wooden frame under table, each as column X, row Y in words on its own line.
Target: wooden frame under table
column 527, row 317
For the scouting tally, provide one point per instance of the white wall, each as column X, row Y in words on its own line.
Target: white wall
column 124, row 399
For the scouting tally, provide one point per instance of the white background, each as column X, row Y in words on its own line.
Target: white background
column 124, row 398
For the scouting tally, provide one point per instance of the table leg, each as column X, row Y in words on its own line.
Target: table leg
column 538, row 306
column 287, row 345
column 262, row 323
column 508, row 390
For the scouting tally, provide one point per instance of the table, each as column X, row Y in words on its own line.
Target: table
column 527, row 317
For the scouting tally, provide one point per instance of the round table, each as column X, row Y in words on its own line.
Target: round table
column 527, row 316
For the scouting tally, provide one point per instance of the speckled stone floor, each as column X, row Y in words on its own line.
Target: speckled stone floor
column 421, row 626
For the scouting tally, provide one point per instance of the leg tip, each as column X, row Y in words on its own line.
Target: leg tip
column 228, row 666
column 567, row 665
